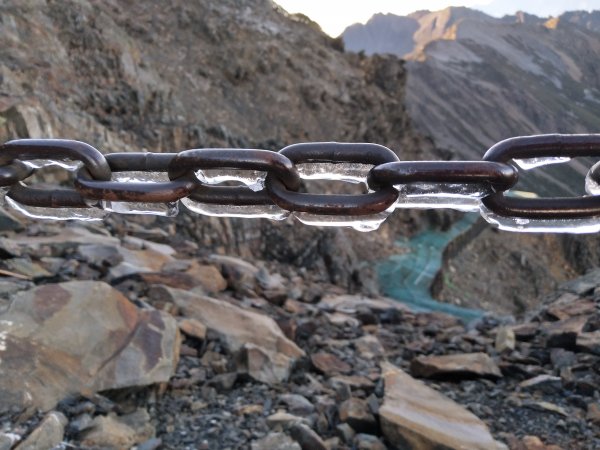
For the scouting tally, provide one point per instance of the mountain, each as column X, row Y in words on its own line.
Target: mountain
column 474, row 80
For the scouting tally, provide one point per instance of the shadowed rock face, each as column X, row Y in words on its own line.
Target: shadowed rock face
column 474, row 80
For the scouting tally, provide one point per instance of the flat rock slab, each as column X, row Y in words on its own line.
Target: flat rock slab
column 80, row 337
column 415, row 416
column 466, row 365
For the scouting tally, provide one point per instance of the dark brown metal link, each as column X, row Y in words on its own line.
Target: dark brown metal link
column 230, row 195
column 334, row 152
column 53, row 149
column 14, row 172
column 47, row 198
column 544, row 146
column 233, row 158
column 56, row 149
column 146, row 192
column 500, row 176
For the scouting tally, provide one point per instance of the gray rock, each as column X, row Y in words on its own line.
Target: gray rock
column 368, row 442
column 297, row 404
column 48, row 434
column 275, row 441
column 306, row 437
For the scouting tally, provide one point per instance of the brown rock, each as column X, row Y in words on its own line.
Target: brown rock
column 264, row 351
column 354, row 381
column 369, row 347
column 207, row 276
column 458, row 365
column 570, row 305
column 535, row 443
column 526, row 331
column 593, row 413
column 329, row 364
column 589, row 342
column 415, row 416
column 48, row 434
column 355, row 412
column 306, row 437
column 115, row 433
column 564, row 332
column 80, row 336
column 193, row 328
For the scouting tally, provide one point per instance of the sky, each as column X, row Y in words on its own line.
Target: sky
column 335, row 15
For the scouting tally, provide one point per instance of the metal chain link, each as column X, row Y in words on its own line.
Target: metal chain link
column 268, row 184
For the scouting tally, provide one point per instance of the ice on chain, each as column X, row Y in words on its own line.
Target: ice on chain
column 272, row 212
column 531, row 163
column 38, row 212
column 71, row 166
column 577, row 226
column 169, row 209
column 462, row 197
column 254, row 179
column 348, row 172
column 591, row 186
column 359, row 223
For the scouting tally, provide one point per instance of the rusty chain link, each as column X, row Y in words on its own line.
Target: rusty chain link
column 268, row 184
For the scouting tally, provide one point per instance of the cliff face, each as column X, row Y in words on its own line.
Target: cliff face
column 474, row 80
column 132, row 76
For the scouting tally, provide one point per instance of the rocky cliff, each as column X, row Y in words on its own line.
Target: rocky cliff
column 132, row 76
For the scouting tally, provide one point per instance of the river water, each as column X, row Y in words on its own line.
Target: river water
column 407, row 275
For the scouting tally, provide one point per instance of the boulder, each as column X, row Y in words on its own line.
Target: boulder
column 80, row 337
column 48, row 434
column 415, row 416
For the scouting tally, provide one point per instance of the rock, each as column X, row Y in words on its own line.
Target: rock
column 100, row 255
column 80, row 336
column 545, row 383
column 369, row 347
column 223, row 382
column 329, row 364
column 207, row 276
column 589, row 342
column 26, row 267
column 272, row 286
column 275, row 441
column 354, row 381
column 345, row 432
column 546, row 407
column 569, row 305
column 593, row 413
column 306, row 437
column 457, row 365
column 564, row 332
column 505, row 339
column 342, row 319
column 67, row 238
column 351, row 304
column 297, row 404
column 282, row 419
column 193, row 328
column 415, row 416
column 9, row 222
column 240, row 274
column 139, row 261
column 265, row 353
column 355, row 412
column 115, row 433
column 8, row 440
column 368, row 442
column 48, row 434
column 535, row 443
column 526, row 331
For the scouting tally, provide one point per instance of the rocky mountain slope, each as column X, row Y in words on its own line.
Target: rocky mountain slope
column 474, row 80
column 128, row 76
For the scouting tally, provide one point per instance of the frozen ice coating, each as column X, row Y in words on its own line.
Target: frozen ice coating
column 531, row 163
column 359, row 223
column 37, row 212
column 71, row 166
column 140, row 177
column 461, row 197
column 523, row 225
column 254, row 179
column 349, row 172
column 591, row 186
column 170, row 209
column 272, row 212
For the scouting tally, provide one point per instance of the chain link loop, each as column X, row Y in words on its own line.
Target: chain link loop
column 272, row 182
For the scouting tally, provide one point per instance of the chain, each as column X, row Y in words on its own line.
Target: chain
column 269, row 184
